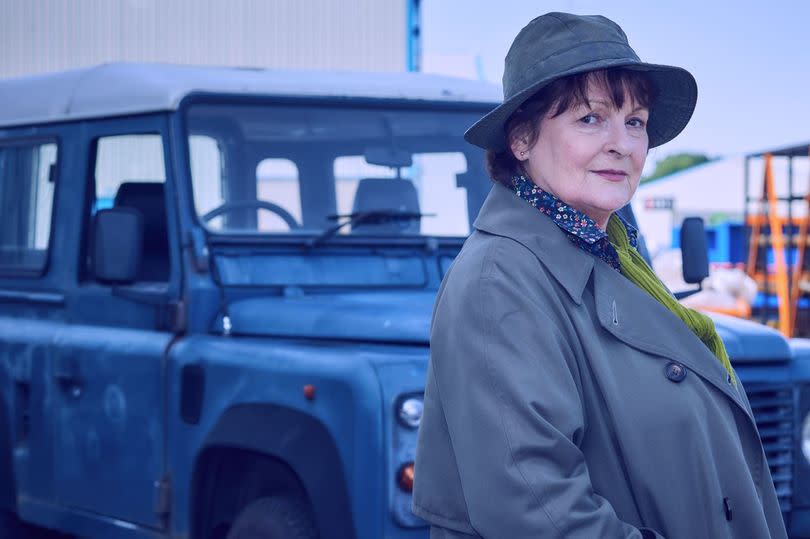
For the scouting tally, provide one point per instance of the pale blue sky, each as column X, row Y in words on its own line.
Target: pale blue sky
column 751, row 59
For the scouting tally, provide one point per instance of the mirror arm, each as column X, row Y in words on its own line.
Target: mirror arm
column 686, row 293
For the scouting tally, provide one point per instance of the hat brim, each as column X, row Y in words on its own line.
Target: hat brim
column 669, row 113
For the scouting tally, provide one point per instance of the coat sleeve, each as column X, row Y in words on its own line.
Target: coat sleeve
column 506, row 380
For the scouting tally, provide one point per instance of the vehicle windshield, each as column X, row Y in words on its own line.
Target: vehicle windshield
column 328, row 171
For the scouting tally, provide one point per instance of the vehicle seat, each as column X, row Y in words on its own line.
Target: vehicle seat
column 149, row 199
column 387, row 194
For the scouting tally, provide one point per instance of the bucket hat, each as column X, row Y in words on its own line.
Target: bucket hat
column 556, row 45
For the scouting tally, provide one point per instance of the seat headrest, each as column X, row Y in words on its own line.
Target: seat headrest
column 387, row 194
column 136, row 194
column 150, row 200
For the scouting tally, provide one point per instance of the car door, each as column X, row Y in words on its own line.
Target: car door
column 109, row 399
column 31, row 308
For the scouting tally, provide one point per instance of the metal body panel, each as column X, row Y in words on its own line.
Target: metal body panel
column 748, row 341
column 83, row 524
column 400, row 378
column 108, row 436
column 271, row 372
column 120, row 89
column 357, row 316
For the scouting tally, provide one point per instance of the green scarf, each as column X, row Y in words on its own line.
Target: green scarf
column 635, row 268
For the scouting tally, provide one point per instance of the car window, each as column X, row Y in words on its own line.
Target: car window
column 27, row 178
column 433, row 176
column 296, row 170
column 126, row 158
column 130, row 173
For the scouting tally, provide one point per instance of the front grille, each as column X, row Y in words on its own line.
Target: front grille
column 774, row 411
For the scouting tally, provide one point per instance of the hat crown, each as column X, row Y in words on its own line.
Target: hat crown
column 557, row 45
column 556, row 42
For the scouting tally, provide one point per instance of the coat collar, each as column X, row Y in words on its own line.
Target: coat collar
column 623, row 309
column 564, row 216
column 505, row 214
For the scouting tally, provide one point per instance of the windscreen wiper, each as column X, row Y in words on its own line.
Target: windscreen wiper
column 375, row 217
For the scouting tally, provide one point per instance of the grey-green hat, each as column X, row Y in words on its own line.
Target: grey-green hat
column 556, row 45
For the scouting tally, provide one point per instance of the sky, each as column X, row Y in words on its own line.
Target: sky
column 751, row 59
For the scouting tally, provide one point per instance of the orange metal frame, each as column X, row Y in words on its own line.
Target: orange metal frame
column 801, row 245
column 787, row 309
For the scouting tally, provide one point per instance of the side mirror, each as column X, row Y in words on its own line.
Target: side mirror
column 694, row 253
column 117, row 245
column 694, row 250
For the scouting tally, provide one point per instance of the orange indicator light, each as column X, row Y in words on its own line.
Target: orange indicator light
column 405, row 477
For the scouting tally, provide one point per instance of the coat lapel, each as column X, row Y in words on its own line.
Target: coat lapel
column 634, row 317
column 624, row 310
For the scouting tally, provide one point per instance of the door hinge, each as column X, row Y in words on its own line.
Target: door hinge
column 177, row 316
column 163, row 496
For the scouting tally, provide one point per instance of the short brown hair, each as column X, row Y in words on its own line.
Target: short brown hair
column 563, row 94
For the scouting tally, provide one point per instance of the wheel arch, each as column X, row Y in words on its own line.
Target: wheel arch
column 278, row 449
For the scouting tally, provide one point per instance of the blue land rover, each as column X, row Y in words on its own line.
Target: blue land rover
column 215, row 293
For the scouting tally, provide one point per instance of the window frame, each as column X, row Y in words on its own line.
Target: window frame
column 208, row 98
column 90, row 205
column 40, row 140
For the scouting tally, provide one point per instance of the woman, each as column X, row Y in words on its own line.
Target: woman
column 568, row 394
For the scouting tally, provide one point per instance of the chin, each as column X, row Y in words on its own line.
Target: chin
column 612, row 204
column 615, row 198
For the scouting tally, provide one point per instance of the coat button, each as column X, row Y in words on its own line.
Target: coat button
column 675, row 371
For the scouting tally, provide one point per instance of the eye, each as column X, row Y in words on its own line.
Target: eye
column 636, row 122
column 590, row 119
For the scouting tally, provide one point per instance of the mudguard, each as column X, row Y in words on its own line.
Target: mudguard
column 304, row 444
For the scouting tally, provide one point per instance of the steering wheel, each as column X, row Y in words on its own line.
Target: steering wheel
column 248, row 204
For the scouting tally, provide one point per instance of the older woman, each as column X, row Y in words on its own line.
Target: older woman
column 568, row 394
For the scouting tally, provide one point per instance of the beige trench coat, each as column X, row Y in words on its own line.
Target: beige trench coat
column 564, row 402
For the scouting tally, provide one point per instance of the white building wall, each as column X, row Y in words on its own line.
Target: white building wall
column 714, row 190
column 50, row 35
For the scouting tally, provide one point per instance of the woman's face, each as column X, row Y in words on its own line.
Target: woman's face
column 590, row 156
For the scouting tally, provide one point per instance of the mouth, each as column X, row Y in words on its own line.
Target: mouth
column 612, row 175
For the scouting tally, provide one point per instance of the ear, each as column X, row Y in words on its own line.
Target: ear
column 519, row 146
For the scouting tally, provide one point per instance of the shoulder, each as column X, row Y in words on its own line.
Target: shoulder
column 489, row 256
column 490, row 264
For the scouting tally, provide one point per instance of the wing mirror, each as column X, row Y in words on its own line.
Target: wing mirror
column 117, row 245
column 694, row 253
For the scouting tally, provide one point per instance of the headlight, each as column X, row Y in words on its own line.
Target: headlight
column 410, row 412
column 806, row 437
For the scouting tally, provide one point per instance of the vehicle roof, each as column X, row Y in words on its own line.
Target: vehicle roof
column 131, row 88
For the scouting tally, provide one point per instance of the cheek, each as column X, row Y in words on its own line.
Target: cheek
column 641, row 152
column 574, row 156
column 638, row 161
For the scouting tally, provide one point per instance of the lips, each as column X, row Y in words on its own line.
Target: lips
column 612, row 175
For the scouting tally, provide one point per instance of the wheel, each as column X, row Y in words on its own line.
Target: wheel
column 274, row 518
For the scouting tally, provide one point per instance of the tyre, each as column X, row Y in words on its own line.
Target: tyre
column 274, row 518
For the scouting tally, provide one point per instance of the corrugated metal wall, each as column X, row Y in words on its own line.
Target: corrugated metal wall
column 49, row 35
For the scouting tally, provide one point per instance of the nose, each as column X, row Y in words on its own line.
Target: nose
column 619, row 141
